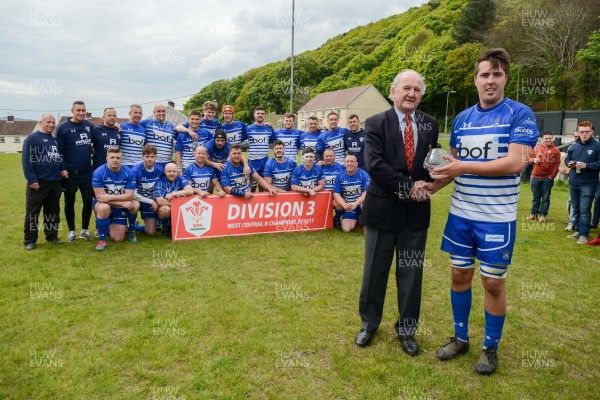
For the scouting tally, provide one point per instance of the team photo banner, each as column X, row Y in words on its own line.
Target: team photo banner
column 213, row 216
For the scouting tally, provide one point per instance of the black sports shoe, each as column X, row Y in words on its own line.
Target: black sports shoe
column 453, row 348
column 488, row 361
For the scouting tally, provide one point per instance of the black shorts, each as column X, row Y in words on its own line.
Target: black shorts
column 78, row 179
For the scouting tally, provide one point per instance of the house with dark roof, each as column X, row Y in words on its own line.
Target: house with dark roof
column 363, row 101
column 13, row 133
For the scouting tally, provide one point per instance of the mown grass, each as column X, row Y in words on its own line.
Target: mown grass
column 274, row 316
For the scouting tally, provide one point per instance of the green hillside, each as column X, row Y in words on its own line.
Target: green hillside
column 441, row 40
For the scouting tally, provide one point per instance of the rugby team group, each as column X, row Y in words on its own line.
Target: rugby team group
column 139, row 166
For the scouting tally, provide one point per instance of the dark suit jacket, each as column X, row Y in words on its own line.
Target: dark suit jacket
column 386, row 165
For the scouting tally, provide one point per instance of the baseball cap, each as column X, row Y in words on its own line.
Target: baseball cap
column 220, row 134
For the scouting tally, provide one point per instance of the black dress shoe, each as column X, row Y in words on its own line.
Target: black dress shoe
column 55, row 241
column 29, row 246
column 364, row 338
column 409, row 345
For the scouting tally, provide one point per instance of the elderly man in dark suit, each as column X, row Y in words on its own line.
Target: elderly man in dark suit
column 397, row 208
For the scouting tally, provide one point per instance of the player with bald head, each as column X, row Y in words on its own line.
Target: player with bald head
column 170, row 186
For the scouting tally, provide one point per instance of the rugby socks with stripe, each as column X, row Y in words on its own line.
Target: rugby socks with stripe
column 493, row 330
column 102, row 224
column 461, row 308
column 131, row 219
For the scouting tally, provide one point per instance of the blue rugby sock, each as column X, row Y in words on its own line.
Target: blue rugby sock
column 131, row 218
column 102, row 225
column 164, row 223
column 461, row 308
column 493, row 330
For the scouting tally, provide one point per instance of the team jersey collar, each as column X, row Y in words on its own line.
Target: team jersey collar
column 486, row 110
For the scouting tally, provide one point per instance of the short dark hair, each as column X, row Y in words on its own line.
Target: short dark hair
column 352, row 116
column 234, row 146
column 257, row 108
column 547, row 133
column 278, row 143
column 332, row 113
column 499, row 59
column 194, row 112
column 308, row 150
column 313, row 117
column 78, row 103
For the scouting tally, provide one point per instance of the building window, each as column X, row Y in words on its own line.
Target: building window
column 17, row 140
column 1, row 139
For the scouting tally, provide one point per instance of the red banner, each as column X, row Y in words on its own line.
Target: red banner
column 213, row 216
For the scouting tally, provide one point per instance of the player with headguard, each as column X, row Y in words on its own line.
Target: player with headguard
column 235, row 130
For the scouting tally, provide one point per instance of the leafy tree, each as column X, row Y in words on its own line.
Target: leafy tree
column 476, row 17
column 459, row 69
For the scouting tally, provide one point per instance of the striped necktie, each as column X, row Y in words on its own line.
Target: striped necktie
column 409, row 143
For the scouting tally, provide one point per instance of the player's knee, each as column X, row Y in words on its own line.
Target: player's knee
column 135, row 206
column 493, row 286
column 461, row 276
column 102, row 210
column 117, row 236
column 348, row 226
column 164, row 212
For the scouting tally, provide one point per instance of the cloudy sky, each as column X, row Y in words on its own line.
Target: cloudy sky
column 122, row 52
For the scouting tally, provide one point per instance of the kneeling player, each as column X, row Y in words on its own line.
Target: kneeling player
column 113, row 186
column 349, row 192
column 278, row 170
column 147, row 173
column 307, row 178
column 170, row 186
column 202, row 177
column 234, row 181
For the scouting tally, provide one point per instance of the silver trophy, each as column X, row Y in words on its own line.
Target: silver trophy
column 435, row 158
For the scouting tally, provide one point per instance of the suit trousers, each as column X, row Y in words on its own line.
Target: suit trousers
column 379, row 253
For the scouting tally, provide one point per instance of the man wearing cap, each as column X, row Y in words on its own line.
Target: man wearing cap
column 218, row 151
column 235, row 130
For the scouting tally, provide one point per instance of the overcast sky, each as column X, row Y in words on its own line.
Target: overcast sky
column 115, row 53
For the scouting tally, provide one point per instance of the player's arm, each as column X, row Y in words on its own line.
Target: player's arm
column 215, row 165
column 178, row 162
column 186, row 191
column 218, row 186
column 320, row 185
column 161, row 201
column 340, row 200
column 182, row 129
column 123, row 203
column 112, row 199
column 513, row 163
column 272, row 191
